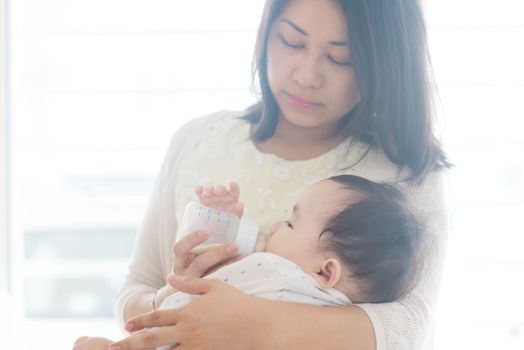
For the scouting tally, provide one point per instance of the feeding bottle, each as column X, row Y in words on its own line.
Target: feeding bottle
column 223, row 227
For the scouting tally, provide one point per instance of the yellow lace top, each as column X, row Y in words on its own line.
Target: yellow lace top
column 269, row 185
column 215, row 149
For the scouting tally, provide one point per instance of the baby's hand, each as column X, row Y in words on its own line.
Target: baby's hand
column 221, row 198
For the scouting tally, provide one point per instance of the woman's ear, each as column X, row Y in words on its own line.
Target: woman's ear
column 328, row 273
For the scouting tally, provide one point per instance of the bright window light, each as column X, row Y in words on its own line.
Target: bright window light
column 96, row 88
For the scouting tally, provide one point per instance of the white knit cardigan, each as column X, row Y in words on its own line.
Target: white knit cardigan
column 397, row 325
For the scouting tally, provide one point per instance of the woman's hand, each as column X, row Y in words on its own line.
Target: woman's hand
column 189, row 264
column 92, row 343
column 222, row 318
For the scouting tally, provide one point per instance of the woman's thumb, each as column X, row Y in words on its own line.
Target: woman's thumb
column 190, row 285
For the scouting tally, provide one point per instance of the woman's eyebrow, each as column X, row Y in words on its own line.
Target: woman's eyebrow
column 303, row 32
column 339, row 43
column 295, row 26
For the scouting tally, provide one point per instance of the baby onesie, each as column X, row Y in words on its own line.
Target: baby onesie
column 268, row 276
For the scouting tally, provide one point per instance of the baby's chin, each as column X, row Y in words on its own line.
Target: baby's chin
column 268, row 249
column 273, row 249
column 282, row 255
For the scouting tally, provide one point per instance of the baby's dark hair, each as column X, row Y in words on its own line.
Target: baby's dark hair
column 377, row 237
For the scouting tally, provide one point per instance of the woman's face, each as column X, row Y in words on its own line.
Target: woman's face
column 309, row 64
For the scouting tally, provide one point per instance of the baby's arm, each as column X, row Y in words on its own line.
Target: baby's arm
column 221, row 198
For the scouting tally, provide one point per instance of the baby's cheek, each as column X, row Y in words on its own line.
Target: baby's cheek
column 269, row 245
column 275, row 227
column 272, row 244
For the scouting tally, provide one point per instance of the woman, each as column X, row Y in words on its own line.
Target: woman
column 345, row 89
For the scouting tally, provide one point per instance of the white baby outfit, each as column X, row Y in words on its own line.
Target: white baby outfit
column 217, row 149
column 269, row 276
column 272, row 277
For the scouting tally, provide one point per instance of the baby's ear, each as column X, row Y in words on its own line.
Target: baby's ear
column 328, row 273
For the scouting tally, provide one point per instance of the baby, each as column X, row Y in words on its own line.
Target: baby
column 349, row 240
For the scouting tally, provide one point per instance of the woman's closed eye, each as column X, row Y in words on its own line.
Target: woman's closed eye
column 344, row 63
column 296, row 46
column 290, row 44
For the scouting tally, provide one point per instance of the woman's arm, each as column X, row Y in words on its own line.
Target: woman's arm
column 405, row 324
column 223, row 315
column 225, row 318
column 312, row 327
column 185, row 263
column 138, row 304
column 152, row 254
column 152, row 257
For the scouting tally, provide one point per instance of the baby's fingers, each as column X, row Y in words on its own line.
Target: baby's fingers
column 234, row 190
column 238, row 209
column 220, row 191
column 199, row 190
column 208, row 191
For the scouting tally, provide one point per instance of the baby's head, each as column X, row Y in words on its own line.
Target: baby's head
column 354, row 235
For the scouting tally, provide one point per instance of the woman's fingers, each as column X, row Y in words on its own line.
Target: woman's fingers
column 221, row 264
column 149, row 339
column 184, row 246
column 191, row 285
column 205, row 261
column 157, row 318
column 188, row 264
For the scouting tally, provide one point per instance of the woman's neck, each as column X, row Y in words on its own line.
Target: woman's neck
column 294, row 142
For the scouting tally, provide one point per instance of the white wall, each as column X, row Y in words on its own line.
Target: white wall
column 477, row 52
column 92, row 67
column 3, row 167
column 96, row 89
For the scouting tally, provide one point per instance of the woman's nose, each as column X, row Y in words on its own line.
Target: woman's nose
column 307, row 73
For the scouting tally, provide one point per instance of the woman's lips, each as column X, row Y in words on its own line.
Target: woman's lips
column 300, row 102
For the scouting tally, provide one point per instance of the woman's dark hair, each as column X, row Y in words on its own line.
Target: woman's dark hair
column 393, row 70
column 377, row 238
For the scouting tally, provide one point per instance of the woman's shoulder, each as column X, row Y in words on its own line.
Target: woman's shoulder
column 376, row 166
column 197, row 127
column 210, row 119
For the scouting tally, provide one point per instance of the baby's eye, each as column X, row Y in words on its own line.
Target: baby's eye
column 288, row 224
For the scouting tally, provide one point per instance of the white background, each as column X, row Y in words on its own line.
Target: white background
column 97, row 87
column 3, row 161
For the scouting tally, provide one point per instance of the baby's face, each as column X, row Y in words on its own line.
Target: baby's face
column 298, row 238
